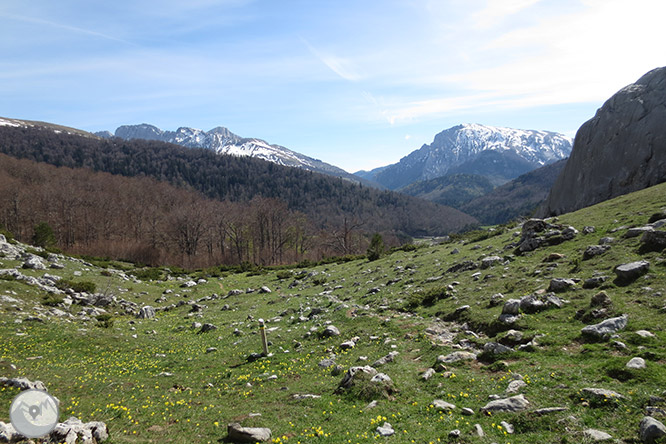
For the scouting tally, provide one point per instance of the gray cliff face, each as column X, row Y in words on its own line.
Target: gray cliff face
column 620, row 150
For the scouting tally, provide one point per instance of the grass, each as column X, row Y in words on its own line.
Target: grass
column 114, row 368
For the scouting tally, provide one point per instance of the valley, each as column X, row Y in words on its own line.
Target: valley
column 178, row 372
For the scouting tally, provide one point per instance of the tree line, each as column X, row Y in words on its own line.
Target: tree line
column 144, row 220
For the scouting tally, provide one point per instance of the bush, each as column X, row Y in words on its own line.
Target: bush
column 283, row 275
column 52, row 299
column 376, row 248
column 148, row 274
column 104, row 320
column 78, row 287
column 43, row 236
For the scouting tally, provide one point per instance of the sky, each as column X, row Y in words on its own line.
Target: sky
column 355, row 83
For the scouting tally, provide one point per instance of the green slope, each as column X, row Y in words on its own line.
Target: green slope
column 120, row 373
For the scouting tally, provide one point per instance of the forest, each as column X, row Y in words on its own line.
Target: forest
column 326, row 200
column 143, row 220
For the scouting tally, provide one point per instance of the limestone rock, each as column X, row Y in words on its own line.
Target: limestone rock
column 631, row 271
column 34, row 263
column 489, row 261
column 596, row 435
column 385, row 430
column 385, row 359
column 23, row 384
column 636, row 363
column 238, row 433
column 599, row 394
column 443, row 405
column 513, row 404
column 626, row 137
column 605, row 328
column 650, row 430
column 595, row 250
column 654, row 240
column 331, row 330
column 146, row 312
column 456, row 357
column 560, row 284
column 348, row 379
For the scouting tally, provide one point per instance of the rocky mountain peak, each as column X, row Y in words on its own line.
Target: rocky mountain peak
column 464, row 149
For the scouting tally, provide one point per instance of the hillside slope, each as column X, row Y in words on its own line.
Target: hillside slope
column 463, row 325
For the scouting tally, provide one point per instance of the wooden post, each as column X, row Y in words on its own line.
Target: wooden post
column 264, row 342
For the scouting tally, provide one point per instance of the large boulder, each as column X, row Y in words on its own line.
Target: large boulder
column 650, row 430
column 631, row 271
column 620, row 150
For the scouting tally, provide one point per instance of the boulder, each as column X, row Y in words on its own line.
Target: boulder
column 385, row 359
column 596, row 435
column 456, row 357
column 650, row 430
column 34, row 263
column 489, row 261
column 595, row 250
column 630, row 272
column 560, row 284
column 599, row 394
column 74, row 429
column 331, row 330
column 604, row 329
column 516, row 403
column 654, row 240
column 496, row 348
column 264, row 290
column 207, row 327
column 240, row 434
column 385, row 430
column 348, row 380
column 636, row 231
column 443, row 405
column 146, row 312
column 626, row 137
column 636, row 363
column 23, row 384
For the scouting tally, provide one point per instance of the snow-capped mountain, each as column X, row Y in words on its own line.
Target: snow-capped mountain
column 223, row 141
column 500, row 154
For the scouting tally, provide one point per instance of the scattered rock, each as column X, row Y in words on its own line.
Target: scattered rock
column 604, row 329
column 601, row 299
column 507, row 427
column 627, row 273
column 636, row 231
column 636, row 363
column 443, row 405
column 560, row 284
column 264, row 290
column 489, row 261
column 207, row 327
column 238, row 433
column 598, row 394
column 385, row 359
column 654, row 240
column 454, row 433
column 650, row 430
column 549, row 410
column 596, row 435
column 326, row 363
column 455, row 357
column 385, row 430
column 146, row 312
column 595, row 250
column 513, row 404
column 74, row 429
column 644, row 334
column 478, row 430
column 331, row 330
column 305, row 396
column 34, row 263
column 429, row 373
column 467, row 411
column 496, row 348
column 23, row 384
column 515, row 386
column 348, row 379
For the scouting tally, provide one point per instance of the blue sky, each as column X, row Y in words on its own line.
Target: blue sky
column 356, row 83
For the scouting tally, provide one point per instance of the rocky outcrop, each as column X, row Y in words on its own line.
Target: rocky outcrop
column 620, row 150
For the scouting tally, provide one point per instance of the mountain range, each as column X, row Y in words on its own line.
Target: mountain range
column 222, row 141
column 499, row 154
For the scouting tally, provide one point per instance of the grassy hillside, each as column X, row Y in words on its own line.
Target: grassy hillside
column 158, row 380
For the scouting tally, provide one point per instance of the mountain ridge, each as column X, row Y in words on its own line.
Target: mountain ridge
column 222, row 141
column 454, row 148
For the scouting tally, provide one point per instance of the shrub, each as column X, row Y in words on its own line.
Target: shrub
column 52, row 299
column 283, row 275
column 79, row 287
column 104, row 320
column 148, row 274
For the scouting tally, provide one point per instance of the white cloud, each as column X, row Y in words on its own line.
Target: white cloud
column 498, row 10
column 343, row 67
